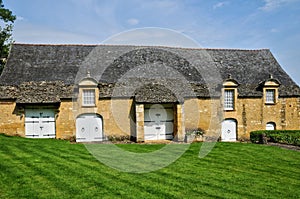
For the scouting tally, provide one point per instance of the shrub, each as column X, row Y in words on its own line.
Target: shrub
column 287, row 138
column 195, row 131
column 281, row 136
column 194, row 134
column 119, row 138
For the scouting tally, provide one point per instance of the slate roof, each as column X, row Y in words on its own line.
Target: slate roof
column 48, row 73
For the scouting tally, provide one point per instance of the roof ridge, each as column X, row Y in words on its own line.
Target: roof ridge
column 144, row 46
column 237, row 49
column 44, row 44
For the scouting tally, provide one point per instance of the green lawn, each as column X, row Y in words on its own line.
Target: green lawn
column 58, row 169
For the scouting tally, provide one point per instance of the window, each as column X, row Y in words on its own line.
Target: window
column 270, row 126
column 88, row 97
column 229, row 99
column 270, row 96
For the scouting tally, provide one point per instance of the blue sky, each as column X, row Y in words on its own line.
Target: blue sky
column 242, row 24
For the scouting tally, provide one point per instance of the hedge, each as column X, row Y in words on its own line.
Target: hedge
column 291, row 137
column 287, row 138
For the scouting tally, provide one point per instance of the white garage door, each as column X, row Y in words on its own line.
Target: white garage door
column 228, row 130
column 89, row 128
column 158, row 122
column 39, row 123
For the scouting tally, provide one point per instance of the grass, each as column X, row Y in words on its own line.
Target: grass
column 58, row 169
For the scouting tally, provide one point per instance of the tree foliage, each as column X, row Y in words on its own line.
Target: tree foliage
column 6, row 24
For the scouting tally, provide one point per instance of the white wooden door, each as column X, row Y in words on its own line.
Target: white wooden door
column 158, row 122
column 89, row 128
column 228, row 130
column 39, row 123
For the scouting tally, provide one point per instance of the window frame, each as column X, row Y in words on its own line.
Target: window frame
column 227, row 101
column 268, row 97
column 88, row 100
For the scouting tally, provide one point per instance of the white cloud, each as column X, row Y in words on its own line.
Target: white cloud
column 274, row 4
column 20, row 18
column 274, row 30
column 133, row 21
column 220, row 4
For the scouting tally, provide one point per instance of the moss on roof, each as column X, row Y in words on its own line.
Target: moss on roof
column 179, row 72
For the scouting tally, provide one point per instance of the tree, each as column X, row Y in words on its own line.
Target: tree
column 6, row 24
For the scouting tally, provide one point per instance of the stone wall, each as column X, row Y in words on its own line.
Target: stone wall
column 179, row 123
column 250, row 113
column 65, row 120
column 140, row 122
column 253, row 114
column 120, row 117
column 11, row 122
column 117, row 115
column 204, row 114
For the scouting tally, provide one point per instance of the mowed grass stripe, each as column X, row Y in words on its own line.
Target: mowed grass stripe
column 73, row 182
column 266, row 169
column 50, row 170
column 63, row 170
column 243, row 175
column 55, row 156
column 262, row 165
column 42, row 174
column 200, row 187
column 77, row 178
column 233, row 177
column 208, row 183
column 17, row 176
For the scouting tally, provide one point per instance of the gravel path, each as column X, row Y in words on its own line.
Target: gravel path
column 285, row 146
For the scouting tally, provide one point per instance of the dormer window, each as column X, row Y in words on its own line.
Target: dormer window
column 229, row 99
column 88, row 92
column 88, row 97
column 270, row 88
column 270, row 96
column 230, row 93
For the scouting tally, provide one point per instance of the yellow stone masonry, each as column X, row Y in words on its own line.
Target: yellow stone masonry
column 124, row 117
column 11, row 123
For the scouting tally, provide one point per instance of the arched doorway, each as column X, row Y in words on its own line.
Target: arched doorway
column 89, row 128
column 270, row 126
column 229, row 132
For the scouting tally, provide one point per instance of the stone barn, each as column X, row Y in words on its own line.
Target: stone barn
column 147, row 93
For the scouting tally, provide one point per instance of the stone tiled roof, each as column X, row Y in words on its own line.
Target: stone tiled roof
column 47, row 73
column 37, row 92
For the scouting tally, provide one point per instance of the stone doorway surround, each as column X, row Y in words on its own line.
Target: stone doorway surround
column 178, row 122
